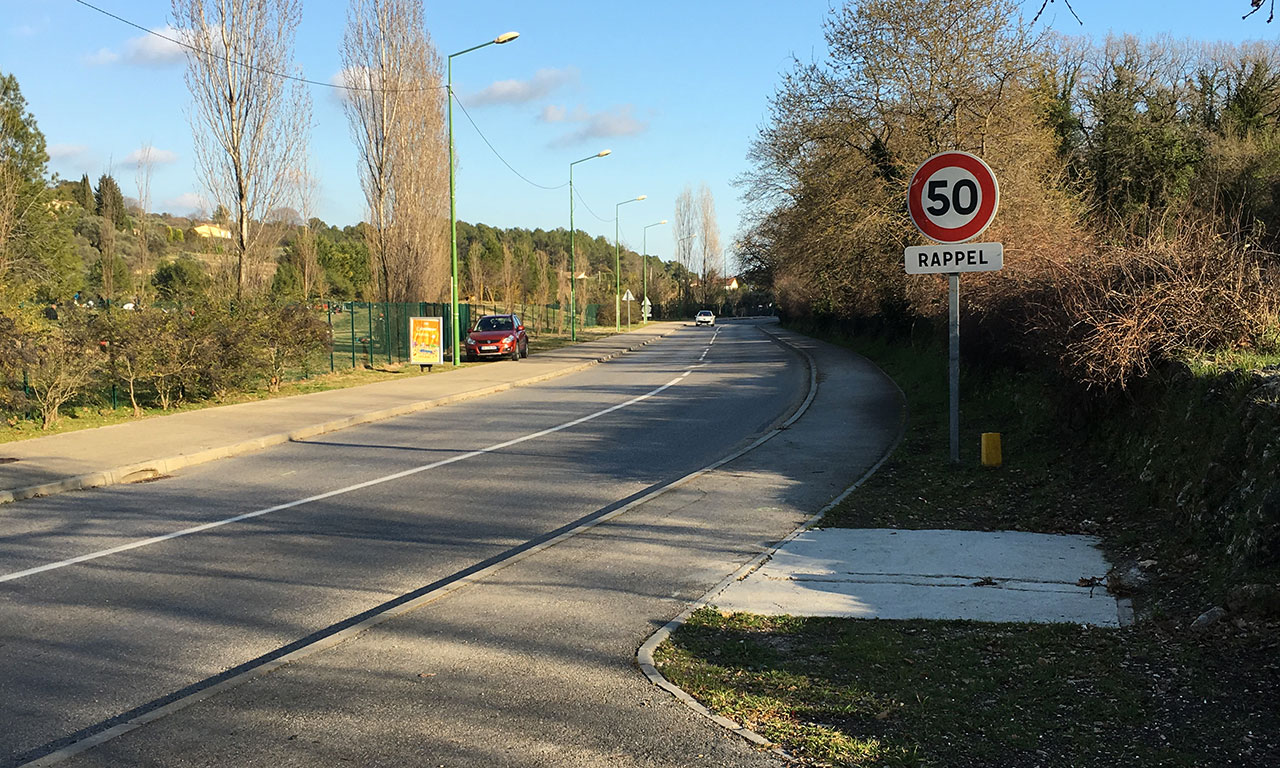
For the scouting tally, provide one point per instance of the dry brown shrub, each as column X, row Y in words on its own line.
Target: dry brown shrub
column 1118, row 312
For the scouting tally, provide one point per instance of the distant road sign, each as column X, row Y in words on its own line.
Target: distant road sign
column 627, row 296
column 945, row 259
column 953, row 197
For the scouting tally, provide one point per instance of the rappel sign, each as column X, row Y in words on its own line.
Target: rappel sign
column 953, row 198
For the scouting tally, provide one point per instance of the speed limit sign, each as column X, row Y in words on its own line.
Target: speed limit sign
column 953, row 197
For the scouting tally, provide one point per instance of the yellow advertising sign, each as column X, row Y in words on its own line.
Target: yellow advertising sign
column 426, row 341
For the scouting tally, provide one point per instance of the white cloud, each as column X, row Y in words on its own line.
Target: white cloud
column 66, row 151
column 553, row 113
column 350, row 77
column 101, row 58
column 541, row 85
column 151, row 51
column 149, row 153
column 619, row 121
column 188, row 203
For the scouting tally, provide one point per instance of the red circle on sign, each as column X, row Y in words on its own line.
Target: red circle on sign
column 986, row 179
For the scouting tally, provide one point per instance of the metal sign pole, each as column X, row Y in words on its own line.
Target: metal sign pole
column 954, row 280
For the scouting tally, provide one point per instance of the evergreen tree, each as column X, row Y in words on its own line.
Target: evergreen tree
column 109, row 201
column 37, row 258
column 83, row 194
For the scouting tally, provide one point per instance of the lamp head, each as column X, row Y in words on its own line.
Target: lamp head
column 603, row 152
column 664, row 221
column 641, row 197
column 506, row 37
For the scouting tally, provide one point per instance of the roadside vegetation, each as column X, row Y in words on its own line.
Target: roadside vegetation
column 311, row 375
column 853, row 692
column 959, row 694
column 1129, row 353
column 104, row 302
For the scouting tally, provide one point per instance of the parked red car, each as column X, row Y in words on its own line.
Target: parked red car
column 497, row 336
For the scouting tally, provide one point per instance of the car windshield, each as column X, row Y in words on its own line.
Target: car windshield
column 495, row 324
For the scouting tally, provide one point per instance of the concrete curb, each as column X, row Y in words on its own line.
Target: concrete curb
column 644, row 656
column 146, row 470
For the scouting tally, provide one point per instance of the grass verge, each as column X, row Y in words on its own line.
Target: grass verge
column 89, row 416
column 852, row 692
column 857, row 692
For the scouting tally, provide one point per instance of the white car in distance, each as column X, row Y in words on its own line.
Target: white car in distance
column 705, row 317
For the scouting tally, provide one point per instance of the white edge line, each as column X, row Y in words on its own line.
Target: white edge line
column 342, row 636
column 644, row 656
column 139, row 543
column 118, row 475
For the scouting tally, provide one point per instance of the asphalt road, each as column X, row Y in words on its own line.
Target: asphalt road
column 332, row 528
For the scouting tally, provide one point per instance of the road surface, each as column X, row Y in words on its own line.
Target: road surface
column 117, row 601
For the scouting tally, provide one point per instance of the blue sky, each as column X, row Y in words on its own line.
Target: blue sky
column 676, row 89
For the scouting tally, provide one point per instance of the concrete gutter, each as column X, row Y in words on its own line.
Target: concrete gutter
column 146, row 470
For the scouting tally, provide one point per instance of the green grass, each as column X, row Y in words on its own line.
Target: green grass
column 78, row 417
column 853, row 692
column 1233, row 360
column 1038, row 486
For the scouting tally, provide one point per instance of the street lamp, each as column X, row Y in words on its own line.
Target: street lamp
column 573, row 280
column 617, row 264
column 645, row 269
column 505, row 37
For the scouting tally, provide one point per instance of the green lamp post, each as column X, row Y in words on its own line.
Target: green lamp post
column 617, row 264
column 573, row 279
column 645, row 269
column 506, row 37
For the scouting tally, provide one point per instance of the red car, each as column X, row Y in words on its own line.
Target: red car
column 497, row 336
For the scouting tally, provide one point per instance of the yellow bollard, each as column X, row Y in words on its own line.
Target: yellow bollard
column 991, row 449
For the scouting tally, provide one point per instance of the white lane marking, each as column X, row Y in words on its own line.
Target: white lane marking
column 329, row 494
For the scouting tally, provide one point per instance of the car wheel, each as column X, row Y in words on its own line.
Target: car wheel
column 524, row 351
column 471, row 358
column 515, row 352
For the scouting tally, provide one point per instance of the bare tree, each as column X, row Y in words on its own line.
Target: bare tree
column 395, row 109
column 563, row 288
column 684, row 228
column 244, row 114
column 508, row 275
column 542, row 285
column 475, row 271
column 142, row 177
column 708, row 243
column 307, row 189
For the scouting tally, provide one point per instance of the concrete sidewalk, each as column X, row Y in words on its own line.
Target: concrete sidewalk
column 148, row 448
column 931, row 574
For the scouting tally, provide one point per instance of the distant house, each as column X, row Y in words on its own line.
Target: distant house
column 211, row 230
column 731, row 284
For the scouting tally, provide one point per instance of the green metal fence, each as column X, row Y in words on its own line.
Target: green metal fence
column 370, row 333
